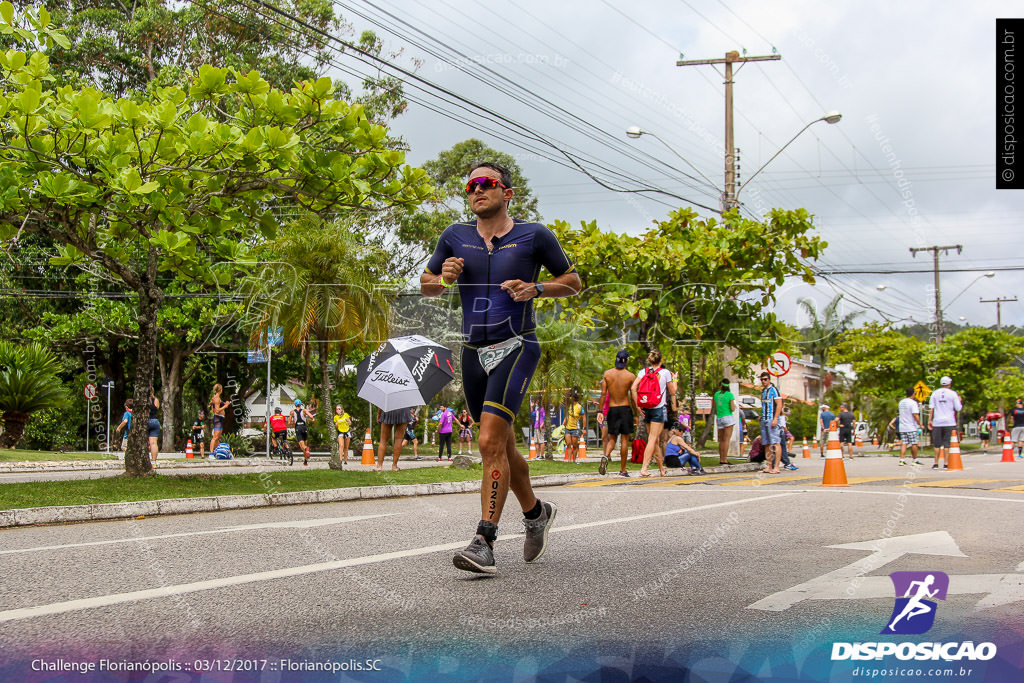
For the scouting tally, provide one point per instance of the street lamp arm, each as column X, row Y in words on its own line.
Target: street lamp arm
column 989, row 274
column 635, row 132
column 747, row 181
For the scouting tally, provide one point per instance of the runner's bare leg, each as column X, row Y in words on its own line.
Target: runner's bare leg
column 504, row 468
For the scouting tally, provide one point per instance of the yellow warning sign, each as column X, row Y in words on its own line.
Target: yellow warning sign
column 922, row 392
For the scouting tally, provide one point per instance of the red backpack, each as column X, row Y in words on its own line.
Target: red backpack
column 648, row 392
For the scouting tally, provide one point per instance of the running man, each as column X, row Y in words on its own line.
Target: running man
column 496, row 262
column 299, row 418
column 615, row 384
column 914, row 606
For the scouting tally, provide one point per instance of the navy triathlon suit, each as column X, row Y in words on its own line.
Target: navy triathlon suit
column 490, row 315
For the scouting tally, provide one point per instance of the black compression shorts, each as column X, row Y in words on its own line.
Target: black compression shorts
column 500, row 393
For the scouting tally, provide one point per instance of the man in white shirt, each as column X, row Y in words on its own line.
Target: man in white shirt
column 945, row 404
column 908, row 423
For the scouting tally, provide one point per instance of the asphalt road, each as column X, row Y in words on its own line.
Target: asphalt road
column 723, row 576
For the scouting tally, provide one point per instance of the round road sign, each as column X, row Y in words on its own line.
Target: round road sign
column 779, row 364
column 90, row 391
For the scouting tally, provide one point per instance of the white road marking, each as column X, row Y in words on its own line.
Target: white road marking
column 168, row 591
column 848, row 580
column 298, row 524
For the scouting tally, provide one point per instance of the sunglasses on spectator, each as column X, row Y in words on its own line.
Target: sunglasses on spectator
column 765, row 377
column 484, row 183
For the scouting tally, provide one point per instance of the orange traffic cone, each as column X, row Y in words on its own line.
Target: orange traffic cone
column 567, row 449
column 189, row 455
column 835, row 470
column 533, row 449
column 581, row 452
column 859, row 442
column 874, row 441
column 817, row 447
column 807, row 449
column 368, row 456
column 954, row 462
column 1007, row 449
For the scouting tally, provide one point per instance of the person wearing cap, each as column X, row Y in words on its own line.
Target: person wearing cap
column 907, row 424
column 615, row 384
column 299, row 418
column 1017, row 431
column 725, row 419
column 825, row 420
column 944, row 404
column 278, row 428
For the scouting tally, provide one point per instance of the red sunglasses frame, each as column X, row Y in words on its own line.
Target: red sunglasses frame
column 486, row 182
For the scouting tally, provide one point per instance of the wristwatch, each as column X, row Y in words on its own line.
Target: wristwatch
column 540, row 288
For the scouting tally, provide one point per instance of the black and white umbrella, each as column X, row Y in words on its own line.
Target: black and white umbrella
column 404, row 372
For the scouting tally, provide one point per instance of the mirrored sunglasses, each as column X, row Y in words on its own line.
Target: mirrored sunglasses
column 484, row 183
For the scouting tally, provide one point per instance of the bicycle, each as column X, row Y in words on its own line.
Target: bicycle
column 282, row 450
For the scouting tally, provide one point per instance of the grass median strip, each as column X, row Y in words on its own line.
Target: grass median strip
column 158, row 487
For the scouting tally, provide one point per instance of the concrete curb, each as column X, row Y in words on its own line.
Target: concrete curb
column 177, row 506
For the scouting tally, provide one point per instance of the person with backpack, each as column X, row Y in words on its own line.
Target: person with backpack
column 654, row 392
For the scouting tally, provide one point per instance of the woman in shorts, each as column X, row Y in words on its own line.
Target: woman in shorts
column 725, row 419
column 219, row 406
column 343, row 425
column 573, row 424
column 466, row 423
column 154, row 426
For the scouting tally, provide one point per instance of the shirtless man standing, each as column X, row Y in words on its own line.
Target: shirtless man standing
column 615, row 385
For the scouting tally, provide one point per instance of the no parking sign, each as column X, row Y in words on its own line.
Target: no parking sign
column 779, row 364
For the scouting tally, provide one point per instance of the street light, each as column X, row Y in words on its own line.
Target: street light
column 989, row 274
column 733, row 202
column 635, row 132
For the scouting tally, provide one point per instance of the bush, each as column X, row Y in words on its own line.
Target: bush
column 803, row 420
column 240, row 446
column 60, row 429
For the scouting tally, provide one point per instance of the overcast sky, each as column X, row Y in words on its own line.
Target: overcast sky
column 914, row 81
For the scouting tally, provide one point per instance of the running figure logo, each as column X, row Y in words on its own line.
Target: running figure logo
column 913, row 613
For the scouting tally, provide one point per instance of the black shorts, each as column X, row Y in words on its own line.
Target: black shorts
column 281, row 435
column 501, row 393
column 301, row 434
column 197, row 437
column 846, row 435
column 620, row 421
column 218, row 422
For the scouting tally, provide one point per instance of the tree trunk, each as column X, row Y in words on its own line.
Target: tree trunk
column 136, row 457
column 325, row 404
column 309, row 368
column 14, row 428
column 171, row 384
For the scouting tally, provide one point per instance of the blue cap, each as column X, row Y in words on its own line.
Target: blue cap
column 298, row 402
column 621, row 358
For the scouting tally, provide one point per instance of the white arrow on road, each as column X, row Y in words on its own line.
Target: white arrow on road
column 849, row 581
column 296, row 524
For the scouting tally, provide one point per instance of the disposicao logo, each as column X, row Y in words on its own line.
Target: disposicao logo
column 914, row 614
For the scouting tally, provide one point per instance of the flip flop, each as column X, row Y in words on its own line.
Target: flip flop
column 645, row 475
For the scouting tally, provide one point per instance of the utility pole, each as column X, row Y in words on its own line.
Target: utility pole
column 998, row 301
column 938, row 292
column 729, row 195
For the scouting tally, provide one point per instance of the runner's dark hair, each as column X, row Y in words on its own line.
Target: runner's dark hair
column 506, row 175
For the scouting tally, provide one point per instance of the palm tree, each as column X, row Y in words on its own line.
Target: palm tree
column 28, row 384
column 320, row 287
column 822, row 332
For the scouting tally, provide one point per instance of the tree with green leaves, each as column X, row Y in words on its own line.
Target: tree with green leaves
column 28, row 384
column 692, row 282
column 177, row 183
column 316, row 282
column 822, row 331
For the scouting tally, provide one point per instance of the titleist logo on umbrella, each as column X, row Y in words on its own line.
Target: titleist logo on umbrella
column 422, row 364
column 385, row 376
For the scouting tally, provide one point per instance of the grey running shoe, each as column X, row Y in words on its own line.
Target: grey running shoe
column 477, row 557
column 537, row 532
column 603, row 468
column 624, row 474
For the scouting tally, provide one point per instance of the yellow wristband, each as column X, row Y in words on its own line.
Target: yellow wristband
column 440, row 281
